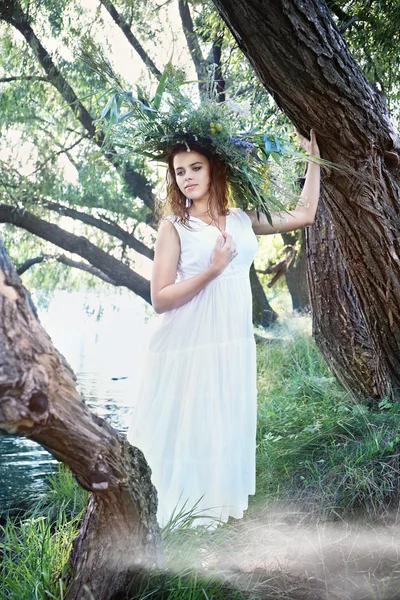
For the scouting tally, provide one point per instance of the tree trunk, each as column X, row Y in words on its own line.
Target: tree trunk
column 296, row 272
column 263, row 313
column 304, row 62
column 339, row 327
column 38, row 399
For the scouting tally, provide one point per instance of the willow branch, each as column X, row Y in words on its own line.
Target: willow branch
column 134, row 42
column 109, row 265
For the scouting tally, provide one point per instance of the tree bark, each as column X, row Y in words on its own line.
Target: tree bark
column 263, row 313
column 109, row 227
column 339, row 327
column 119, row 535
column 303, row 61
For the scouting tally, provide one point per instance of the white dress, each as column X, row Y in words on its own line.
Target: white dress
column 195, row 415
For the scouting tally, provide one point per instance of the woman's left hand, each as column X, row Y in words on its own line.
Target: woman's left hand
column 310, row 146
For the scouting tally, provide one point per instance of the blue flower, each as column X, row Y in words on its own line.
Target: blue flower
column 241, row 143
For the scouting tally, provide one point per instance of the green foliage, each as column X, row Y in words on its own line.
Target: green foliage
column 372, row 32
column 328, row 454
column 34, row 549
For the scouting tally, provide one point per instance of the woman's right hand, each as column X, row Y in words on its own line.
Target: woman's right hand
column 224, row 252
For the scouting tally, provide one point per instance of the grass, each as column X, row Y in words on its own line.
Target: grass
column 324, row 465
column 329, row 454
column 34, row 547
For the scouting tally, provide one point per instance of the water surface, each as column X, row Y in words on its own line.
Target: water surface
column 98, row 349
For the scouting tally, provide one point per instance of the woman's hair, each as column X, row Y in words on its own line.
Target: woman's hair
column 220, row 192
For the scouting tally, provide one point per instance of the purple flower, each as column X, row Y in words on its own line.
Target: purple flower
column 241, row 143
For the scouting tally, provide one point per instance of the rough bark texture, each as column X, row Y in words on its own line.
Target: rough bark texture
column 305, row 64
column 263, row 313
column 347, row 341
column 39, row 400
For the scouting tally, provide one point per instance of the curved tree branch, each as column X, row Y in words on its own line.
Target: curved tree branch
column 110, row 266
column 66, row 261
column 106, row 226
column 23, row 78
column 85, row 267
column 29, row 263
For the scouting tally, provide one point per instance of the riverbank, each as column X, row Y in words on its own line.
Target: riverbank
column 323, row 523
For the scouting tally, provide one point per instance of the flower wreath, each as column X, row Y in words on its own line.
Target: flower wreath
column 150, row 129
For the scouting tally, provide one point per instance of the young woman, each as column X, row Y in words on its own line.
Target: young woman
column 195, row 417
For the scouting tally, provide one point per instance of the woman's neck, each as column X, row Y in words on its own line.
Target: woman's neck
column 203, row 208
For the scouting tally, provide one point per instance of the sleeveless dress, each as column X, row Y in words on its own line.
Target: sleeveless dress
column 195, row 415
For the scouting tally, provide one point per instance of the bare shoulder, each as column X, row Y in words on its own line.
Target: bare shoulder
column 167, row 226
column 167, row 232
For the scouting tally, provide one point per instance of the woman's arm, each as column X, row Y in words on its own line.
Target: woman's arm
column 304, row 213
column 166, row 294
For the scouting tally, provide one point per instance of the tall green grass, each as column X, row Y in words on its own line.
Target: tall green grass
column 34, row 547
column 316, row 449
column 316, row 446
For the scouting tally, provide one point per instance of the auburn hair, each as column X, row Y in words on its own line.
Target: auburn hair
column 220, row 191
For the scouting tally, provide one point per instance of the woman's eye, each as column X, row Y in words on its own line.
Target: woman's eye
column 196, row 168
column 179, row 174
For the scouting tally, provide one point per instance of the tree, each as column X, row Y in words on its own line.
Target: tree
column 293, row 268
column 119, row 534
column 317, row 83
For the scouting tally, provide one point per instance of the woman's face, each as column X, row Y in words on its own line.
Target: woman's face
column 192, row 173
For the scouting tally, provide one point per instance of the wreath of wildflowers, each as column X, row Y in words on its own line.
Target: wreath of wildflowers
column 151, row 127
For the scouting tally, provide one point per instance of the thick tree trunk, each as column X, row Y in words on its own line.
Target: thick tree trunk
column 38, row 399
column 339, row 327
column 263, row 313
column 296, row 273
column 304, row 62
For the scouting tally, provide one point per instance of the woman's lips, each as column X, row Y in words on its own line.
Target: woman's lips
column 189, row 187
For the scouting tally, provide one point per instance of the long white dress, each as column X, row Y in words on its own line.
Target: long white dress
column 195, row 415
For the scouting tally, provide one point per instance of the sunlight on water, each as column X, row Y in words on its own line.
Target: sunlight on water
column 102, row 337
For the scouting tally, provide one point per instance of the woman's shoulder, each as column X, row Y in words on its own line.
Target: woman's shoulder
column 171, row 218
